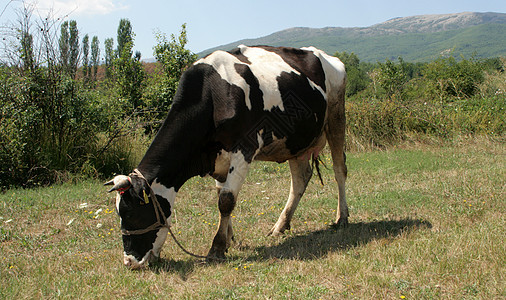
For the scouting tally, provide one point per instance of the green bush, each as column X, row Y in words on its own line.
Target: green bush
column 173, row 60
column 449, row 77
column 45, row 126
column 446, row 99
column 17, row 128
column 357, row 79
column 381, row 122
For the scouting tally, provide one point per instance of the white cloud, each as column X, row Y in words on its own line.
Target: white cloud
column 80, row 7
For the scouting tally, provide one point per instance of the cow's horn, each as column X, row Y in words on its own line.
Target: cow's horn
column 120, row 182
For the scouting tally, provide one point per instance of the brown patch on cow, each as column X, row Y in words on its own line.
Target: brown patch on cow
column 275, row 151
column 221, row 166
column 238, row 54
column 226, row 203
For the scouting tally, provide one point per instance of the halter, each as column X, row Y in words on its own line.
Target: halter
column 158, row 224
column 158, row 212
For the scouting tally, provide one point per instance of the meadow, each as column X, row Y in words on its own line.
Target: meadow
column 426, row 185
column 427, row 221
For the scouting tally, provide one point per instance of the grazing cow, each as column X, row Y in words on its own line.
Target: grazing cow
column 252, row 103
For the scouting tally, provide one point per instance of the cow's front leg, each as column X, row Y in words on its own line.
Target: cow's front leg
column 226, row 202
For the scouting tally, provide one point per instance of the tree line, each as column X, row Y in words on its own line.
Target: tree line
column 60, row 119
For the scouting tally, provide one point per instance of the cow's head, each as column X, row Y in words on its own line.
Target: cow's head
column 142, row 237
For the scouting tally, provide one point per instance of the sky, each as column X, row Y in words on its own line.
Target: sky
column 218, row 22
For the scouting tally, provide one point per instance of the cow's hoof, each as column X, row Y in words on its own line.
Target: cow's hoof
column 215, row 255
column 341, row 223
column 275, row 231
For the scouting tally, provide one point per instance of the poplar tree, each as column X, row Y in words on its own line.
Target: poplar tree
column 86, row 62
column 69, row 47
column 73, row 48
column 109, row 57
column 95, row 56
column 64, row 45
column 125, row 37
column 128, row 69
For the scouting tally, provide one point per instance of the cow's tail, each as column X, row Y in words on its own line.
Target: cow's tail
column 316, row 165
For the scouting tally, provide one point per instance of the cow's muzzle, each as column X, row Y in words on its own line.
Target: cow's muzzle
column 131, row 262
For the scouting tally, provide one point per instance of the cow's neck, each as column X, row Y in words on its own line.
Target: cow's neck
column 182, row 147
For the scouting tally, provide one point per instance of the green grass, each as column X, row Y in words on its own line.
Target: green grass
column 427, row 222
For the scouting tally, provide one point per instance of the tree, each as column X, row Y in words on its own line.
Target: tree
column 128, row 70
column 64, row 45
column 110, row 56
column 86, row 62
column 24, row 53
column 26, row 49
column 125, row 37
column 174, row 58
column 357, row 79
column 392, row 77
column 130, row 78
column 73, row 47
column 69, row 47
column 95, row 56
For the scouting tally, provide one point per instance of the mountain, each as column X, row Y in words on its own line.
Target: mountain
column 417, row 38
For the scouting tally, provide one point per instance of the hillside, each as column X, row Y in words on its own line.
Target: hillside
column 416, row 38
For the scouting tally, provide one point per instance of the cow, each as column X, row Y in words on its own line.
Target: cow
column 251, row 103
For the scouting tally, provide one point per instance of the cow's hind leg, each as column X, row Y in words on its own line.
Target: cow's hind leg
column 335, row 131
column 340, row 172
column 226, row 202
column 301, row 173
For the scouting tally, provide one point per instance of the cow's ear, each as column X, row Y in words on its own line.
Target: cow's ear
column 120, row 183
column 142, row 189
column 140, row 186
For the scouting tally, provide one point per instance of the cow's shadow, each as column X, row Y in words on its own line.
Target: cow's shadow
column 309, row 245
column 316, row 244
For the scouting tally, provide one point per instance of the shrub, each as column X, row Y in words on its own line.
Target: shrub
column 379, row 123
column 451, row 78
column 174, row 58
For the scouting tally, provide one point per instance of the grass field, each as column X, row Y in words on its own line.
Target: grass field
column 426, row 222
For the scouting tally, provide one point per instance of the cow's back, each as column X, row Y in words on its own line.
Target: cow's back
column 272, row 102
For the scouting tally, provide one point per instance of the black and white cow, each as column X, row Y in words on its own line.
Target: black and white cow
column 252, row 103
